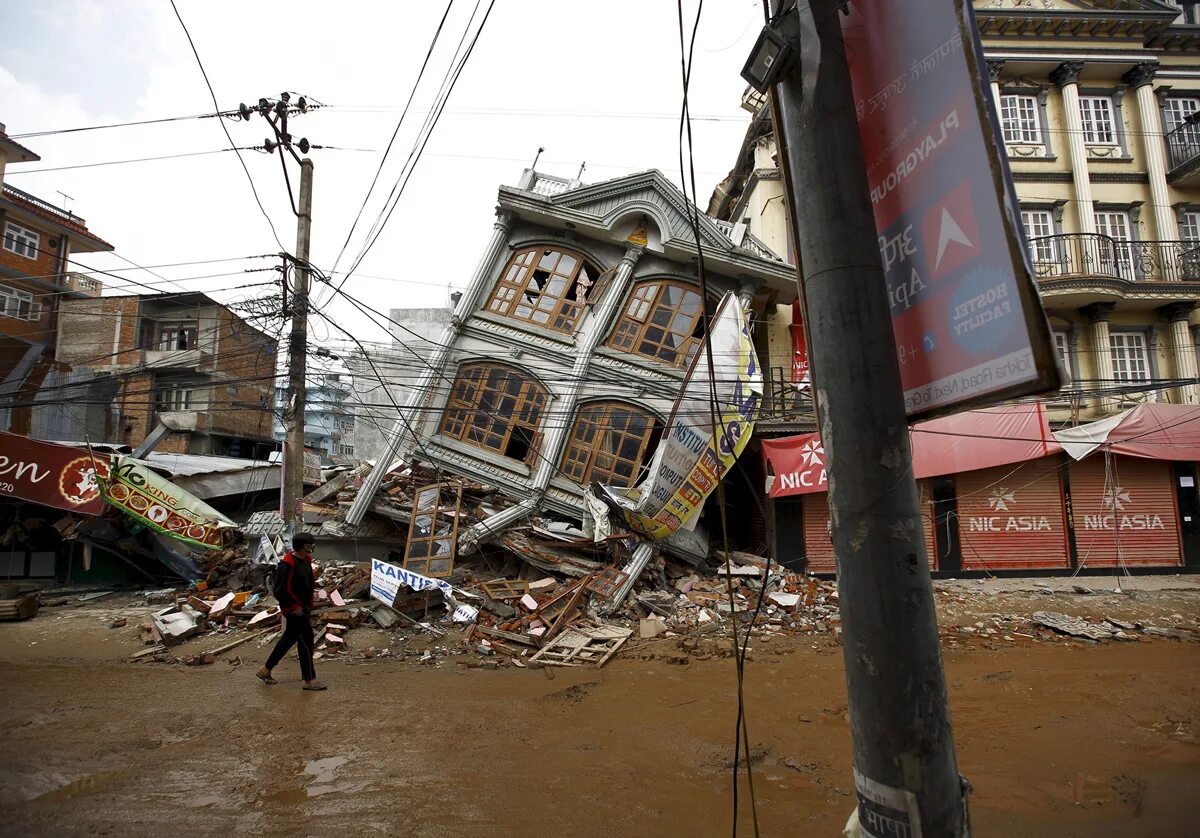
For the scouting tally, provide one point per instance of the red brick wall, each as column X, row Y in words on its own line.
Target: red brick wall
column 87, row 327
column 243, row 380
column 46, row 262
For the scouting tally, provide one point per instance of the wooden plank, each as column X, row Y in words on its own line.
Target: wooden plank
column 501, row 589
column 527, row 640
column 236, row 643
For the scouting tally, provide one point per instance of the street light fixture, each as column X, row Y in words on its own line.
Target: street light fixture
column 767, row 60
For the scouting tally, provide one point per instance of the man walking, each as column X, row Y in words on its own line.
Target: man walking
column 294, row 586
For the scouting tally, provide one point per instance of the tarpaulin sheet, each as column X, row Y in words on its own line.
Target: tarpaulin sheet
column 966, row 441
column 1150, row 431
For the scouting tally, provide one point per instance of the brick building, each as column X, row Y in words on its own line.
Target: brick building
column 38, row 241
column 182, row 357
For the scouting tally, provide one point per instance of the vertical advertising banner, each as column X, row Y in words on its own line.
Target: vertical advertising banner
column 967, row 319
column 690, row 459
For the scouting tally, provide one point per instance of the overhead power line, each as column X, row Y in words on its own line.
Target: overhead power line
column 448, row 84
column 392, row 140
column 217, row 108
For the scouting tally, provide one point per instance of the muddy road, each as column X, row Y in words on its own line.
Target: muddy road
column 1059, row 738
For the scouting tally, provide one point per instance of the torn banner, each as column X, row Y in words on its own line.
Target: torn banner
column 387, row 579
column 690, row 460
column 161, row 505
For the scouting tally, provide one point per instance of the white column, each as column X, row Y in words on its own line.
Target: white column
column 410, row 412
column 1141, row 77
column 994, row 70
column 1066, row 77
column 1097, row 314
column 564, row 409
column 1184, row 349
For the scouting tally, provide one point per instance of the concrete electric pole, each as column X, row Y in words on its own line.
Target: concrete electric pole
column 904, row 761
column 276, row 114
column 293, row 452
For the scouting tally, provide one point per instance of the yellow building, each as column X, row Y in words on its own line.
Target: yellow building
column 1099, row 108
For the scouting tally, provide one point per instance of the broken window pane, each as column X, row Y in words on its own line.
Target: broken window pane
column 609, row 442
column 661, row 321
column 542, row 285
column 506, row 403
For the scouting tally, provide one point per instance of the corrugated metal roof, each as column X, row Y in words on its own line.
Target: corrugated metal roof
column 188, row 465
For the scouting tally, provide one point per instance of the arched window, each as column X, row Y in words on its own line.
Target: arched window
column 495, row 407
column 661, row 321
column 543, row 285
column 609, row 442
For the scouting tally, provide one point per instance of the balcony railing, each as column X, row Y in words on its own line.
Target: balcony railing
column 783, row 400
column 1072, row 255
column 1183, row 145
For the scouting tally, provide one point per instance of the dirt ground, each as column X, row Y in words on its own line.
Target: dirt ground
column 1058, row 737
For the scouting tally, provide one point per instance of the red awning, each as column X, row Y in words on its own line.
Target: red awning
column 1150, row 431
column 966, row 441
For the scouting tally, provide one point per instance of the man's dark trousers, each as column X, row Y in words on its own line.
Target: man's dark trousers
column 296, row 630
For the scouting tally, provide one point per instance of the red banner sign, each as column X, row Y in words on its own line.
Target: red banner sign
column 50, row 474
column 968, row 322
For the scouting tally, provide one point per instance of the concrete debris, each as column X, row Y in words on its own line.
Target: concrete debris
column 545, row 591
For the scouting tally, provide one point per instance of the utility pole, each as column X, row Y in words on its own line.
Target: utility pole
column 293, row 451
column 903, row 747
column 276, row 114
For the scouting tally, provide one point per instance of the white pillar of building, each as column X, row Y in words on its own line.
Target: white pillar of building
column 1184, row 349
column 1066, row 77
column 1141, row 78
column 600, row 325
column 1097, row 315
column 405, row 430
column 994, row 69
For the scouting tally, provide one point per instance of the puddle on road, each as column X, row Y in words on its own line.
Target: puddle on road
column 323, row 771
column 319, row 775
column 84, row 785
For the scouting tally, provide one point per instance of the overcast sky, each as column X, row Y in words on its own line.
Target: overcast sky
column 596, row 82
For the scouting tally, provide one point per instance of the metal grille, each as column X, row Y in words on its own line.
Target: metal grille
column 1126, row 514
column 818, row 546
column 1012, row 517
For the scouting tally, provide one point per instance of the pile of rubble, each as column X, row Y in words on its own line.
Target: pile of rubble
column 543, row 592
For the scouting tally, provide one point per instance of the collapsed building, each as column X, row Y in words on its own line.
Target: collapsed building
column 571, row 345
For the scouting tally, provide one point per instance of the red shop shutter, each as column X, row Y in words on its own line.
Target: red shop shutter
column 818, row 545
column 1012, row 517
column 1130, row 516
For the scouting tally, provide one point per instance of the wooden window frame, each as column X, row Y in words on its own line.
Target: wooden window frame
column 176, row 329
column 1098, row 115
column 583, row 456
column 498, row 419
column 634, row 328
column 19, row 305
column 516, row 294
column 429, row 532
column 1126, row 348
